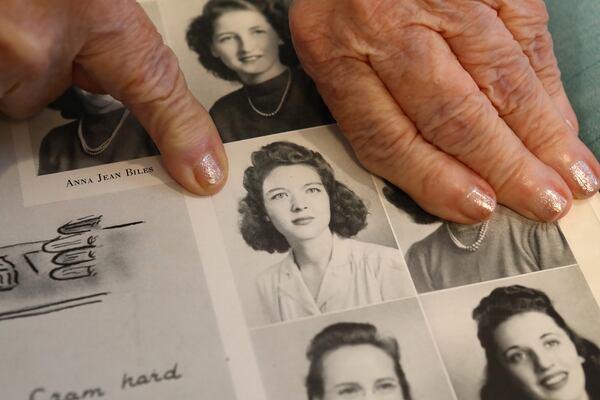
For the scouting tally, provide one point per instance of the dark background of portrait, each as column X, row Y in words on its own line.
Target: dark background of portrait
column 205, row 87
column 47, row 119
column 449, row 314
column 280, row 350
column 247, row 263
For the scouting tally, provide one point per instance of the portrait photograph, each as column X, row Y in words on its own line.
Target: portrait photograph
column 305, row 230
column 442, row 254
column 239, row 61
column 531, row 337
column 377, row 352
column 81, row 129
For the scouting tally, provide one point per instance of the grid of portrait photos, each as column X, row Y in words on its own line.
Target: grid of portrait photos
column 406, row 306
column 348, row 289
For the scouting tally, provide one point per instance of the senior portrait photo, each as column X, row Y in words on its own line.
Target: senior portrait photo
column 305, row 230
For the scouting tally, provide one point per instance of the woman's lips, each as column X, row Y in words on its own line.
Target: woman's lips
column 302, row 221
column 249, row 59
column 554, row 381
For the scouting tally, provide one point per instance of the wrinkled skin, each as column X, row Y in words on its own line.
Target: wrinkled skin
column 438, row 96
column 443, row 96
column 107, row 46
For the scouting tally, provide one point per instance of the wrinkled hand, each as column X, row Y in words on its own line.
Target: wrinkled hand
column 458, row 102
column 108, row 46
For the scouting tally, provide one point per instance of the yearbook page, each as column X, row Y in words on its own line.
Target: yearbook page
column 306, row 277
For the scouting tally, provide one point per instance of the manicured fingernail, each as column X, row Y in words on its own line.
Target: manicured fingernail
column 481, row 203
column 208, row 170
column 550, row 205
column 585, row 178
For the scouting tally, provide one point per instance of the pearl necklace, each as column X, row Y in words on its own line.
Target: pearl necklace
column 473, row 246
column 285, row 93
column 94, row 151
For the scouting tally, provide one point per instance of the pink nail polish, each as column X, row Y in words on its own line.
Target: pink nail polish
column 550, row 204
column 585, row 178
column 479, row 204
column 208, row 170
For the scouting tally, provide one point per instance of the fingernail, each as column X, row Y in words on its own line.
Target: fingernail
column 550, row 205
column 481, row 203
column 208, row 170
column 570, row 125
column 585, row 178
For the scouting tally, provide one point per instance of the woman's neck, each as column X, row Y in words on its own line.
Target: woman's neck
column 254, row 79
column 313, row 253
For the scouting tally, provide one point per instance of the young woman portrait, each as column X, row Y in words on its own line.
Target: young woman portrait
column 452, row 254
column 294, row 204
column 248, row 42
column 350, row 360
column 102, row 131
column 531, row 351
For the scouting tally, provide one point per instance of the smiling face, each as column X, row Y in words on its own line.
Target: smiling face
column 248, row 45
column 296, row 202
column 360, row 372
column 541, row 357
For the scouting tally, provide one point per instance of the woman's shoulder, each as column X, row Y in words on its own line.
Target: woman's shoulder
column 60, row 137
column 269, row 276
column 368, row 251
column 229, row 102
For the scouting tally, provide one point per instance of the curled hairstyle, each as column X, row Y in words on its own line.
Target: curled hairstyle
column 348, row 211
column 344, row 334
column 404, row 202
column 201, row 30
column 505, row 302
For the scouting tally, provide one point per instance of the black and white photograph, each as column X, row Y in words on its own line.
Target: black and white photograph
column 378, row 352
column 442, row 254
column 531, row 337
column 241, row 65
column 305, row 230
column 81, row 129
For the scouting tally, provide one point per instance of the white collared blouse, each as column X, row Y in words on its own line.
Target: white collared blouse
column 358, row 274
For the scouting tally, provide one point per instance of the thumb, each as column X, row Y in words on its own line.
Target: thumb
column 125, row 55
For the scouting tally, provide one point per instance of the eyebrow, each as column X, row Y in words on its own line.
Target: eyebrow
column 233, row 33
column 282, row 188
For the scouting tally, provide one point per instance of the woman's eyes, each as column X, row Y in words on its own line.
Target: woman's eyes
column 517, row 357
column 386, row 387
column 278, row 196
column 313, row 189
column 258, row 31
column 553, row 342
column 349, row 392
column 224, row 38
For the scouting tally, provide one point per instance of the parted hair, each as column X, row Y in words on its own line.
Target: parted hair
column 348, row 211
column 500, row 305
column 344, row 334
column 200, row 32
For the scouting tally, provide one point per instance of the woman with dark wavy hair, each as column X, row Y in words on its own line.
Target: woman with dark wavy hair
column 295, row 204
column 349, row 360
column 248, row 41
column 531, row 351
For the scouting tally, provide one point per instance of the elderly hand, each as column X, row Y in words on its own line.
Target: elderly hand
column 457, row 102
column 108, row 46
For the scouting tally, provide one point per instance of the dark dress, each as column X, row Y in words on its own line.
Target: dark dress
column 302, row 108
column 61, row 149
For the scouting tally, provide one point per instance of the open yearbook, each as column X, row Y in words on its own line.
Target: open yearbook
column 305, row 278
